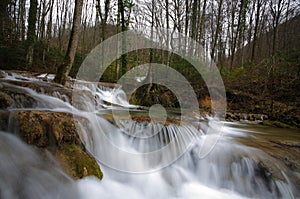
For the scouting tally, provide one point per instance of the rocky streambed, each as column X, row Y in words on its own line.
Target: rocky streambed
column 51, row 128
column 283, row 144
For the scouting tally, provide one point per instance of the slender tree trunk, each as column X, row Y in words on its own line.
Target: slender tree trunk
column 149, row 77
column 202, row 23
column 49, row 26
column 249, row 39
column 123, row 29
column 65, row 67
column 31, row 34
column 187, row 18
column 168, row 31
column 14, row 25
column 218, row 29
column 258, row 7
column 286, row 24
column 62, row 26
column 194, row 19
column 21, row 20
column 236, row 39
column 276, row 13
column 241, row 38
column 103, row 18
column 4, row 21
column 232, row 33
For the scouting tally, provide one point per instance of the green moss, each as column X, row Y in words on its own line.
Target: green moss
column 78, row 163
column 276, row 124
column 57, row 132
column 32, row 129
column 5, row 101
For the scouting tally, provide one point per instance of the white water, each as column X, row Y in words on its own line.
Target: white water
column 228, row 171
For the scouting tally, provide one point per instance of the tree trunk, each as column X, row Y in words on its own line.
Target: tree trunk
column 255, row 29
column 236, row 39
column 4, row 21
column 121, row 10
column 202, row 23
column 168, row 33
column 31, row 35
column 218, row 30
column 149, row 74
column 194, row 19
column 49, row 26
column 22, row 17
column 65, row 67
column 103, row 18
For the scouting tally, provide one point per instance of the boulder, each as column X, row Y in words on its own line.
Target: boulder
column 56, row 132
column 77, row 162
column 5, row 101
column 16, row 98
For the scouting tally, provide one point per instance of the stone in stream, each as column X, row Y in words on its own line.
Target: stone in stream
column 55, row 132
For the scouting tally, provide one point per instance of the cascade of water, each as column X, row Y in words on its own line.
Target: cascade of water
column 228, row 170
column 26, row 174
column 229, row 167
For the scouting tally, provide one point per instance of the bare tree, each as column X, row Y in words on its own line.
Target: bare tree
column 31, row 34
column 277, row 14
column 103, row 16
column 257, row 20
column 4, row 21
column 217, row 30
column 201, row 26
column 239, row 32
column 65, row 67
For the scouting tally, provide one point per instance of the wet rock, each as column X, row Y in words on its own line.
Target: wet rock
column 40, row 127
column 57, row 132
column 40, row 87
column 5, row 101
column 2, row 75
column 283, row 156
column 267, row 170
column 244, row 116
column 76, row 162
column 32, row 128
column 16, row 98
column 4, row 119
column 17, row 91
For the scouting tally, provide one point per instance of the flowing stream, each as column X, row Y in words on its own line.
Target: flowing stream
column 171, row 164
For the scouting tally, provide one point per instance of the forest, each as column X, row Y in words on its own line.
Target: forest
column 147, row 99
column 255, row 44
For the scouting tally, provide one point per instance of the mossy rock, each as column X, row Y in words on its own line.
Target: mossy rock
column 32, row 128
column 46, row 128
column 57, row 132
column 277, row 124
column 77, row 162
column 5, row 101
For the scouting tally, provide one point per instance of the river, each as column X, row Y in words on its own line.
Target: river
column 208, row 158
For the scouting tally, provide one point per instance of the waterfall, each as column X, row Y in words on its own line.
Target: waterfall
column 27, row 174
column 138, row 159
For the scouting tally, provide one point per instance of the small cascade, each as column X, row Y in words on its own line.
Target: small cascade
column 138, row 159
column 26, row 174
column 230, row 167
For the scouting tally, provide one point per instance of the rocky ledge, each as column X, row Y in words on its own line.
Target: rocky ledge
column 55, row 132
column 284, row 147
column 46, row 130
